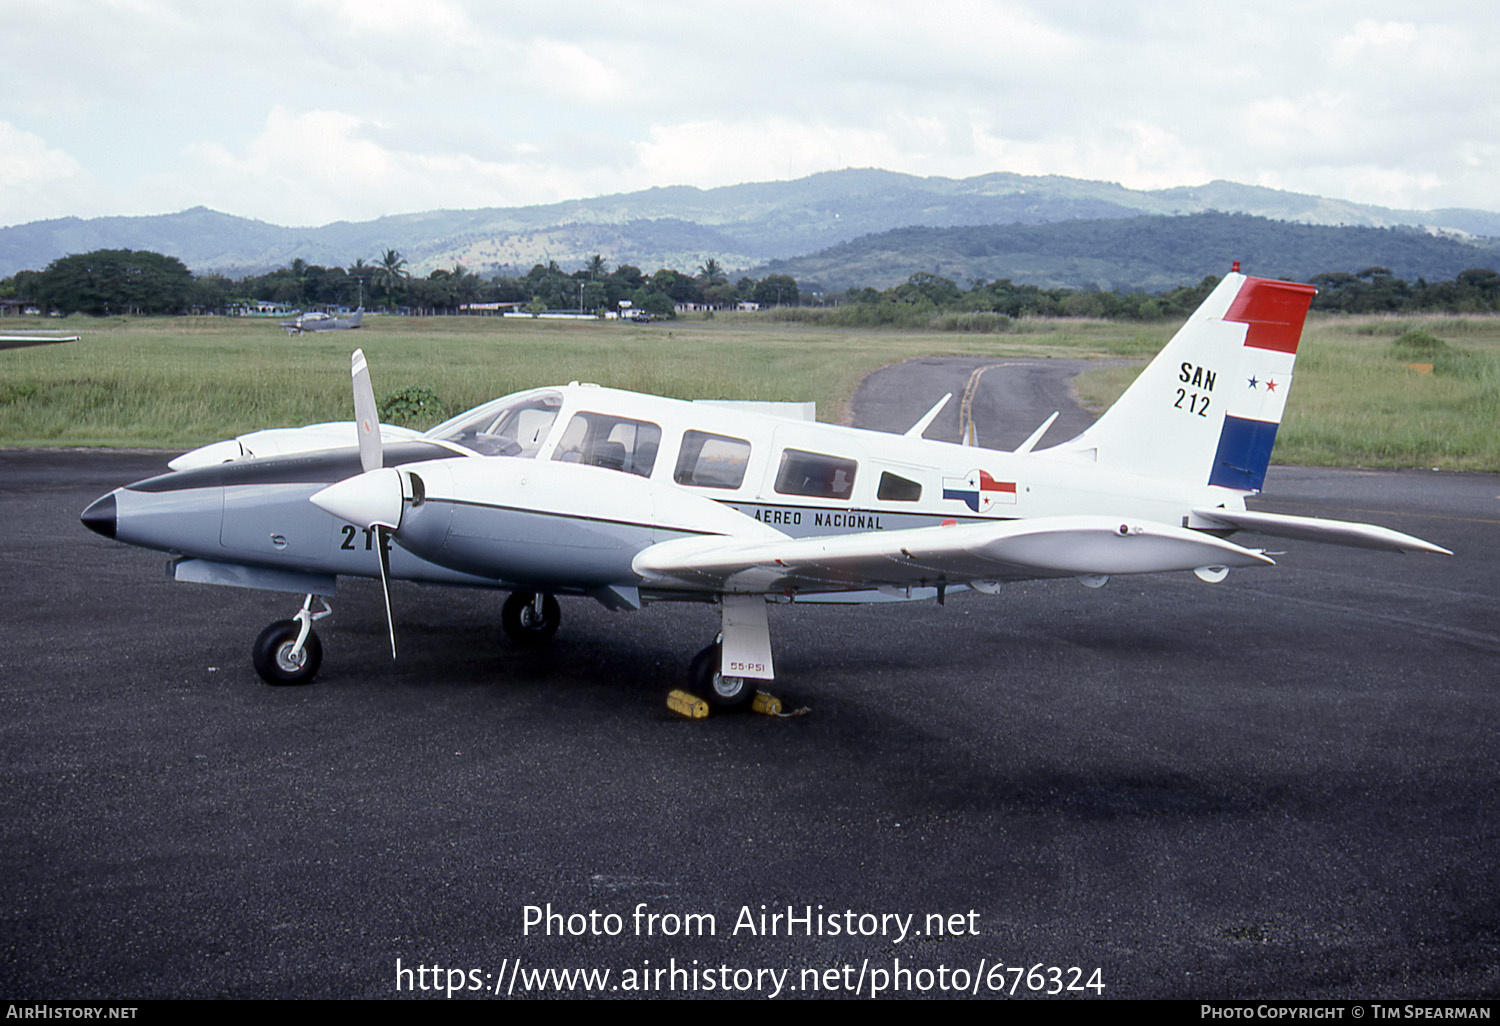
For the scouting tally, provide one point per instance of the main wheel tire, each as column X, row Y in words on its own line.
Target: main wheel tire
column 721, row 692
column 523, row 625
column 272, row 654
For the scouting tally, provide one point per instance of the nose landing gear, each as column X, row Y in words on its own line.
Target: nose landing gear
column 288, row 651
column 530, row 618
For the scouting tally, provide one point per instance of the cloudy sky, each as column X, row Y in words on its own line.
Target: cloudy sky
column 302, row 112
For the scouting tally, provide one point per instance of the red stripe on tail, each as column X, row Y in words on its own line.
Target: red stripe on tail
column 1274, row 310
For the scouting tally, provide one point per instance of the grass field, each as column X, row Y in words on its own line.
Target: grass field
column 180, row 382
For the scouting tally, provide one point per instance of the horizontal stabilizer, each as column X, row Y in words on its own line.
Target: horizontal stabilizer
column 1333, row 532
column 1010, row 550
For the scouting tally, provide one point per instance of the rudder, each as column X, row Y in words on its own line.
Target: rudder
column 1273, row 313
column 1206, row 409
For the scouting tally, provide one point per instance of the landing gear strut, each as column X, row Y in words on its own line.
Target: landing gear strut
column 288, row 651
column 530, row 618
column 743, row 649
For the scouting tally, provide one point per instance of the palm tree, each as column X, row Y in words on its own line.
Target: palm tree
column 465, row 284
column 711, row 273
column 390, row 273
column 298, row 271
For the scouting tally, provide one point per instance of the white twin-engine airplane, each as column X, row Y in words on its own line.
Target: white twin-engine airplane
column 628, row 499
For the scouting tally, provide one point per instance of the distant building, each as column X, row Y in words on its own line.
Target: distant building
column 261, row 308
column 489, row 309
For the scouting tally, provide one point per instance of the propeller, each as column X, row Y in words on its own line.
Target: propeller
column 366, row 414
column 373, row 499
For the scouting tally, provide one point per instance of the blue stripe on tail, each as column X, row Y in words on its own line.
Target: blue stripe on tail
column 1244, row 454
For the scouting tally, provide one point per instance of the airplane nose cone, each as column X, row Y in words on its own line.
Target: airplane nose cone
column 366, row 500
column 100, row 517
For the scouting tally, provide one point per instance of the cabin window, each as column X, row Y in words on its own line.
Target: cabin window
column 711, row 461
column 513, row 426
column 615, row 443
column 895, row 488
column 815, row 474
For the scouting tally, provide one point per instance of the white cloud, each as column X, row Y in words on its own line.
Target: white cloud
column 304, row 111
column 571, row 71
column 1135, row 153
column 37, row 181
column 313, row 167
column 398, row 18
column 1373, row 36
column 712, row 153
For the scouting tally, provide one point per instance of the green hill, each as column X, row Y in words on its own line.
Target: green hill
column 745, row 226
column 1127, row 254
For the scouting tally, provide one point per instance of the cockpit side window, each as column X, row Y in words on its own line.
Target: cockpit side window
column 816, row 474
column 615, row 443
column 895, row 488
column 511, row 427
column 711, row 461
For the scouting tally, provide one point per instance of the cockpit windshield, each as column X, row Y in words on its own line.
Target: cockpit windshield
column 515, row 425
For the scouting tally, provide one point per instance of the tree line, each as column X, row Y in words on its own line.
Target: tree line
column 122, row 281
column 1377, row 290
column 1372, row 290
column 139, row 282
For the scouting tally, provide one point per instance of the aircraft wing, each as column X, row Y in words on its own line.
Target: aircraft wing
column 1010, row 550
column 280, row 441
column 22, row 341
column 1333, row 532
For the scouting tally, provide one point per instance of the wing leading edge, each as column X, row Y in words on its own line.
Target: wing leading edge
column 1012, row 550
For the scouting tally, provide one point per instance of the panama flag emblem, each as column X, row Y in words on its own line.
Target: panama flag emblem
column 979, row 491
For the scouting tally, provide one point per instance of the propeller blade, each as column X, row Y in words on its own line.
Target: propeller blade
column 382, row 541
column 366, row 415
column 373, row 499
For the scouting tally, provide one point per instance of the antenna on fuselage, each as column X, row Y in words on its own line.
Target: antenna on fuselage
column 916, row 430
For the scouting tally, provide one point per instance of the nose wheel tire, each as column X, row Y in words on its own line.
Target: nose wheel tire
column 528, row 622
column 722, row 692
column 275, row 661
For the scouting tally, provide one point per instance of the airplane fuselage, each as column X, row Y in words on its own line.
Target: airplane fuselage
column 663, row 469
column 629, row 498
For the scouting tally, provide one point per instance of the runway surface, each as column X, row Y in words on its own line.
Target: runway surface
column 1280, row 786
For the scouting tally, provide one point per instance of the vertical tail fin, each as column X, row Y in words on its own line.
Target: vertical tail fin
column 1206, row 409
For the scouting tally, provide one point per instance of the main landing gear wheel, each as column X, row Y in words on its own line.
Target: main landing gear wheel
column 530, row 619
column 722, row 692
column 275, row 660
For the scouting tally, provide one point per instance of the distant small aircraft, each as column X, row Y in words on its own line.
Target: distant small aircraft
column 323, row 322
column 577, row 490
